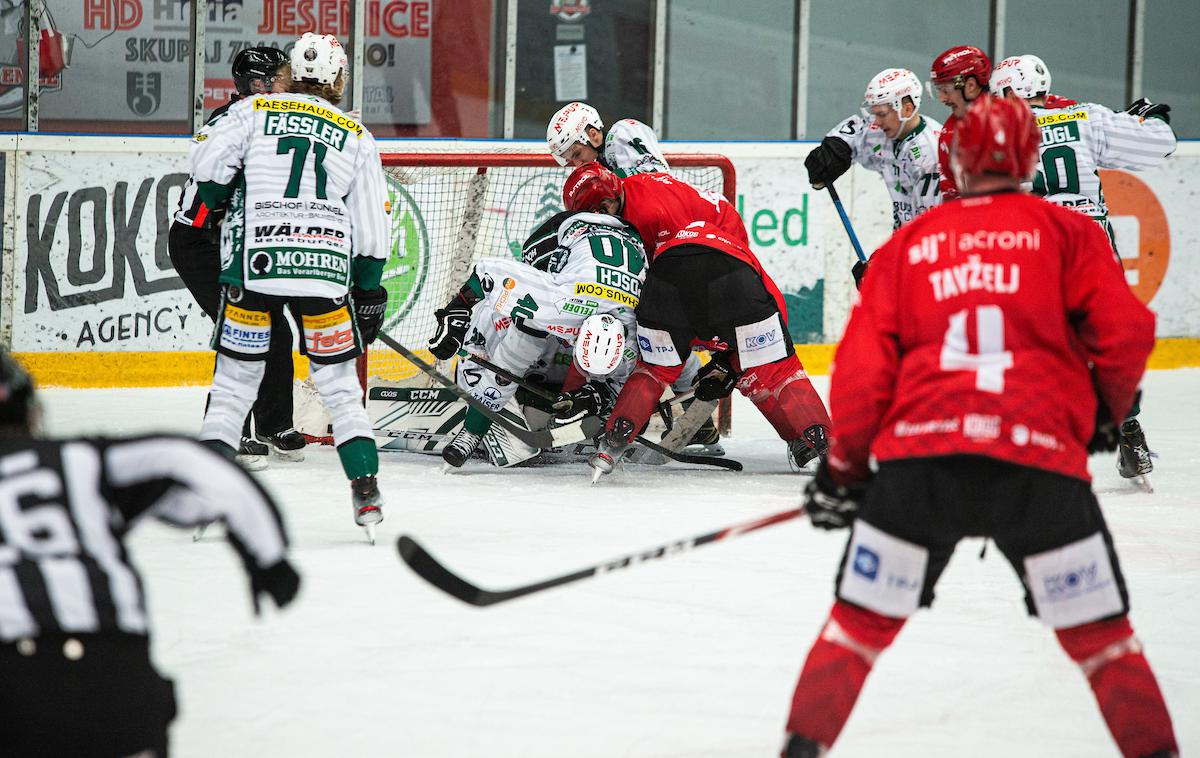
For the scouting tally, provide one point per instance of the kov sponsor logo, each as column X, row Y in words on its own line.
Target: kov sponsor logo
column 1074, row 582
column 759, row 341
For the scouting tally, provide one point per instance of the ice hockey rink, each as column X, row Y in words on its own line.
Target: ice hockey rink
column 687, row 657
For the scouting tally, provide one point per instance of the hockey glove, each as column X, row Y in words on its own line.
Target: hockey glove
column 716, row 379
column 369, row 307
column 588, row 400
column 829, row 504
column 279, row 580
column 1145, row 109
column 858, row 272
column 453, row 322
column 828, row 161
column 1106, row 437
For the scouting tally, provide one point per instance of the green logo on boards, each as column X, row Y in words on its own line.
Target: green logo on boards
column 408, row 261
column 534, row 201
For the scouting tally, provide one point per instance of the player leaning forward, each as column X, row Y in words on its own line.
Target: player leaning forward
column 977, row 394
column 1077, row 140
column 307, row 227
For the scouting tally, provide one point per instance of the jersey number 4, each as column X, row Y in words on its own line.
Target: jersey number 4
column 299, row 147
column 990, row 359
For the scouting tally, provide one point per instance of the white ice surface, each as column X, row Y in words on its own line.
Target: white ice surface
column 688, row 657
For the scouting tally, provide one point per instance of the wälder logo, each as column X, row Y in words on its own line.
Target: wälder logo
column 408, row 265
column 536, row 199
column 866, row 563
column 143, row 92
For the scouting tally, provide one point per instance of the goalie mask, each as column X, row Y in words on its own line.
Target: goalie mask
column 569, row 126
column 600, row 345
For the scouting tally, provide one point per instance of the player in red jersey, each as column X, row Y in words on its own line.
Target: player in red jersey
column 704, row 287
column 958, row 76
column 994, row 344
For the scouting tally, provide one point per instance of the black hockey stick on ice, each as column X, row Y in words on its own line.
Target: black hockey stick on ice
column 584, row 429
column 837, row 203
column 702, row 460
column 428, row 568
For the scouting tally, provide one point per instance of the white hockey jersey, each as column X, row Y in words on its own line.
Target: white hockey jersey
column 1078, row 140
column 530, row 316
column 308, row 194
column 909, row 166
column 631, row 147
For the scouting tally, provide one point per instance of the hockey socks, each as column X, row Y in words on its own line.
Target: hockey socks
column 836, row 669
column 1125, row 687
column 784, row 395
column 639, row 397
column 359, row 457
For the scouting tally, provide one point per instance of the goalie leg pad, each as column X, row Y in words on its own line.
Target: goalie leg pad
column 836, row 669
column 234, row 387
column 1124, row 685
column 784, row 395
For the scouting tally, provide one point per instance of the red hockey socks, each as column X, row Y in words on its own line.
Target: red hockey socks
column 784, row 395
column 639, row 397
column 836, row 669
column 1125, row 687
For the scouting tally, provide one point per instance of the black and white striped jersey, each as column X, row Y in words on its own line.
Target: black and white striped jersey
column 66, row 505
column 192, row 211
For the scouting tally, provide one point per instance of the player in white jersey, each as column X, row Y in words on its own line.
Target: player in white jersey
column 1078, row 140
column 890, row 138
column 574, row 268
column 576, row 136
column 306, row 226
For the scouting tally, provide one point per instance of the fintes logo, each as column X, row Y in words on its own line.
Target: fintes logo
column 1142, row 233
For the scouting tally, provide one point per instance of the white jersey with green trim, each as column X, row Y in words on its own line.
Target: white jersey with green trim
column 309, row 194
column 909, row 165
column 598, row 267
column 1079, row 140
column 631, row 147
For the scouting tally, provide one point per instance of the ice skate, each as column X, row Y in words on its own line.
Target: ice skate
column 812, row 445
column 287, row 445
column 367, row 504
column 800, row 747
column 252, row 455
column 1134, row 459
column 610, row 447
column 459, row 449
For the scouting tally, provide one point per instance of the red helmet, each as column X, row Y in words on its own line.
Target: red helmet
column 588, row 185
column 997, row 136
column 959, row 62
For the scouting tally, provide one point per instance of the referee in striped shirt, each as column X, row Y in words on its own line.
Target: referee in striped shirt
column 75, row 672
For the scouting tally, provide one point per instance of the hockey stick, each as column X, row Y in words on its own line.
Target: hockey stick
column 703, row 460
column 428, row 568
column 837, row 203
column 584, row 429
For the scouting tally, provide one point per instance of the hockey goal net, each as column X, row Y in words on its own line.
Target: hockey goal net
column 450, row 210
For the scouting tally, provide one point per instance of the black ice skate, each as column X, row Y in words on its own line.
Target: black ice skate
column 287, row 445
column 252, row 455
column 610, row 447
column 812, row 444
column 367, row 504
column 800, row 747
column 1134, row 459
column 459, row 449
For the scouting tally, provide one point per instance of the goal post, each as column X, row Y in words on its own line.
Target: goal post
column 449, row 210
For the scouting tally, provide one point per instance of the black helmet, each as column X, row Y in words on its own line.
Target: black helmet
column 256, row 64
column 16, row 392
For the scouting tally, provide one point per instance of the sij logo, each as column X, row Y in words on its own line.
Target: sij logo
column 143, row 92
column 866, row 563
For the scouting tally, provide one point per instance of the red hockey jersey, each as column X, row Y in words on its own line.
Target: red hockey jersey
column 974, row 332
column 947, row 184
column 659, row 205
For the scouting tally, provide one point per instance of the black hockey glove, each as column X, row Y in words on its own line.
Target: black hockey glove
column 588, row 400
column 455, row 318
column 858, row 272
column 1146, row 109
column 369, row 307
column 1106, row 436
column 828, row 161
column 279, row 580
column 716, row 379
column 829, row 504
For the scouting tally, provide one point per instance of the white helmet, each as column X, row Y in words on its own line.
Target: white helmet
column 600, row 345
column 318, row 57
column 569, row 126
column 890, row 87
column 1026, row 75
